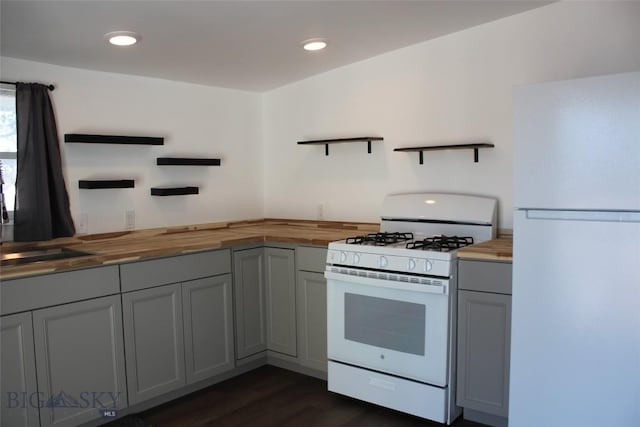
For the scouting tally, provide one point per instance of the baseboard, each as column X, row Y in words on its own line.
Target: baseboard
column 484, row 418
column 291, row 364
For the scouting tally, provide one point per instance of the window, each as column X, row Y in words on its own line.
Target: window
column 8, row 146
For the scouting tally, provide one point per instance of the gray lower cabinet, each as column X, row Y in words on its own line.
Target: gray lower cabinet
column 484, row 333
column 312, row 320
column 311, row 305
column 249, row 301
column 280, row 283
column 18, row 372
column 154, row 340
column 208, row 327
column 80, row 360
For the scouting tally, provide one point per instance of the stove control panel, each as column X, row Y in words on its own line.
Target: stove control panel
column 392, row 263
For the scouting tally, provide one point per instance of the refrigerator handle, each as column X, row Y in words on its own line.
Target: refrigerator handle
column 578, row 215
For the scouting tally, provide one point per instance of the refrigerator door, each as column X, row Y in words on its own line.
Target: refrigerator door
column 577, row 144
column 575, row 340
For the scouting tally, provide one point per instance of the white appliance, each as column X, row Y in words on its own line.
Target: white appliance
column 575, row 334
column 391, row 303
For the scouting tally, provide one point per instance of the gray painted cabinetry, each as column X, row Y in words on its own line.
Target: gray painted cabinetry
column 69, row 332
column 179, row 333
column 484, row 331
column 169, row 322
column 311, row 304
column 154, row 341
column 280, row 300
column 18, row 372
column 249, row 294
column 80, row 355
column 208, row 327
column 280, row 305
column 265, row 308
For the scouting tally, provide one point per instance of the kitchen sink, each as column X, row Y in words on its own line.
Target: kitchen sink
column 34, row 255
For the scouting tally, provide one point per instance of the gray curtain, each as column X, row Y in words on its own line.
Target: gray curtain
column 42, row 203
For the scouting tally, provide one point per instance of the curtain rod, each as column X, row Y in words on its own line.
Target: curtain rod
column 50, row 87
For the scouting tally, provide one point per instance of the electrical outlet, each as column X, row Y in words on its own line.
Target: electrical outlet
column 83, row 223
column 130, row 220
column 321, row 211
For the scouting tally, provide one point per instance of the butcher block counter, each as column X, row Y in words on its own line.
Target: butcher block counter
column 497, row 250
column 125, row 246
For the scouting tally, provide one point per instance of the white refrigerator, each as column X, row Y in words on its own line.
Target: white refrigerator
column 575, row 336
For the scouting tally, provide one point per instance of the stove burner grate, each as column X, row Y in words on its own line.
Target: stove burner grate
column 379, row 239
column 441, row 243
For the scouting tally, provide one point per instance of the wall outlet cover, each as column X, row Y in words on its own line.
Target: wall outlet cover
column 83, row 223
column 130, row 220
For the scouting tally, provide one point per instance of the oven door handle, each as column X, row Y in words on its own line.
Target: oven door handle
column 389, row 284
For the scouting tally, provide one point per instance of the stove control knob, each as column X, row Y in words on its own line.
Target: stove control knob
column 343, row 257
column 427, row 265
column 411, row 264
column 383, row 262
column 356, row 258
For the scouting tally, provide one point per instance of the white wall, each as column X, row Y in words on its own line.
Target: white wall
column 454, row 89
column 196, row 121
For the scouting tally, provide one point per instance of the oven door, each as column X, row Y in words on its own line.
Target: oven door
column 387, row 326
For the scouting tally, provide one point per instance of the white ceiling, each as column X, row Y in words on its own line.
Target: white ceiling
column 247, row 45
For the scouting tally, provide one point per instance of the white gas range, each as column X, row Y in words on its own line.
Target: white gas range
column 391, row 302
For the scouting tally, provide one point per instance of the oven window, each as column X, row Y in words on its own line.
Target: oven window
column 385, row 323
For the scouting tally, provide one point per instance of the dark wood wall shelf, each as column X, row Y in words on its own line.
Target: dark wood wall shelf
column 173, row 191
column 473, row 147
column 326, row 142
column 112, row 139
column 98, row 184
column 186, row 161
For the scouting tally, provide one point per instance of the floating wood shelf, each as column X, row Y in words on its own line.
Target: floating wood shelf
column 473, row 147
column 326, row 142
column 98, row 184
column 112, row 139
column 173, row 191
column 186, row 161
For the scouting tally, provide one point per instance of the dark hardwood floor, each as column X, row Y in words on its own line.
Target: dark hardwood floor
column 271, row 396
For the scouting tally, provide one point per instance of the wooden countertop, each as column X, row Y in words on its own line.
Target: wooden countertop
column 125, row 246
column 497, row 250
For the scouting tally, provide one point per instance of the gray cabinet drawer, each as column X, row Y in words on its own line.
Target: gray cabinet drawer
column 484, row 276
column 311, row 259
column 162, row 271
column 30, row 293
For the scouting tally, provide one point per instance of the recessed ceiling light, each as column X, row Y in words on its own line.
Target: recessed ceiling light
column 314, row 44
column 122, row 38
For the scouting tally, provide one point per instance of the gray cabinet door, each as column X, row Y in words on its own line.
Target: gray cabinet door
column 18, row 372
column 154, row 341
column 208, row 327
column 80, row 360
column 249, row 295
column 484, row 331
column 312, row 320
column 280, row 281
